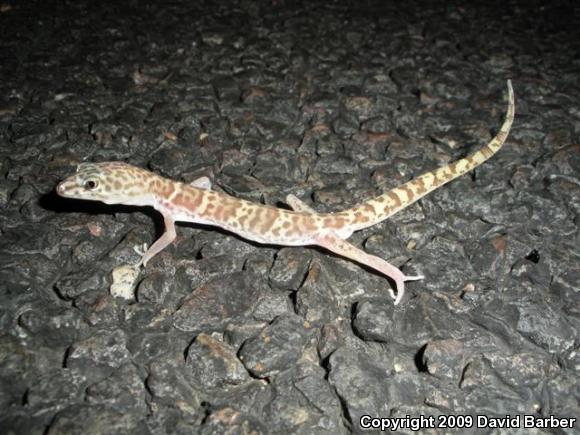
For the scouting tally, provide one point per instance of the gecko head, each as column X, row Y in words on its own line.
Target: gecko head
column 110, row 182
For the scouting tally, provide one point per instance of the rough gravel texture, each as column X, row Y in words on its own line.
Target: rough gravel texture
column 334, row 102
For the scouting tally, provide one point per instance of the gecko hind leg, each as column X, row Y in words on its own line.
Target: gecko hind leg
column 345, row 249
column 298, row 205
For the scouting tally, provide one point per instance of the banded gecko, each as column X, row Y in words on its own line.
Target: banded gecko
column 121, row 183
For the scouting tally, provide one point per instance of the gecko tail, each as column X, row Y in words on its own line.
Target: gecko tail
column 377, row 209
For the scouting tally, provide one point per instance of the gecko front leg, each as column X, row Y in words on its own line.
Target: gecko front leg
column 341, row 247
column 162, row 242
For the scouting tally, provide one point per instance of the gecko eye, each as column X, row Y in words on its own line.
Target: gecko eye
column 91, row 184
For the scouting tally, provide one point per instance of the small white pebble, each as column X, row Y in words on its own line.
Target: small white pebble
column 124, row 282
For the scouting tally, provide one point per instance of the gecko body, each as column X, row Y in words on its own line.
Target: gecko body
column 121, row 183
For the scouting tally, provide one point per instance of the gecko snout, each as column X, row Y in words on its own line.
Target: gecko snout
column 64, row 188
column 61, row 188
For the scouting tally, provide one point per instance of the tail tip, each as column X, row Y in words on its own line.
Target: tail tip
column 510, row 91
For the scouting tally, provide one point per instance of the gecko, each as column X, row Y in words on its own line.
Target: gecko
column 197, row 202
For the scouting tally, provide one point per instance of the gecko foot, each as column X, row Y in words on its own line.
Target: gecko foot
column 140, row 250
column 413, row 278
column 400, row 279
